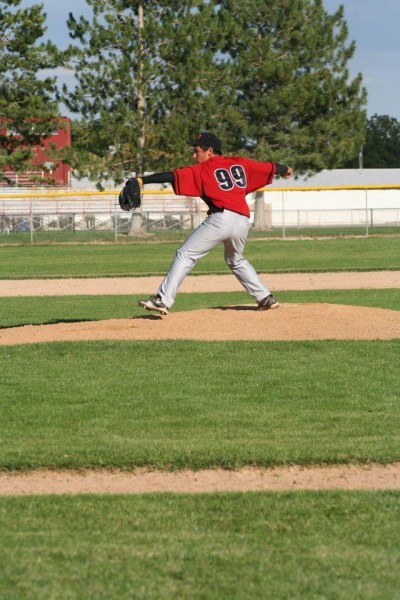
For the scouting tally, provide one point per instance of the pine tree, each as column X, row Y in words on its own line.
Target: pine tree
column 139, row 66
column 27, row 102
column 144, row 70
column 271, row 78
column 294, row 102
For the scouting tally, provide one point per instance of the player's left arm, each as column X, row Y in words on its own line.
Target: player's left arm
column 185, row 181
column 164, row 177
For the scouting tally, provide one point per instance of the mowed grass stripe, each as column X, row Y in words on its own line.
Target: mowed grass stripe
column 336, row 545
column 267, row 256
column 186, row 404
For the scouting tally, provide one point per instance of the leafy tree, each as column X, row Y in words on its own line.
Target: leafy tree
column 27, row 103
column 382, row 144
column 294, row 101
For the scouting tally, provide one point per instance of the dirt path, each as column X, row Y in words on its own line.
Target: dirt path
column 198, row 283
column 288, row 322
column 346, row 477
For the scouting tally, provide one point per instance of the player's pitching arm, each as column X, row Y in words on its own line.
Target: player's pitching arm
column 284, row 171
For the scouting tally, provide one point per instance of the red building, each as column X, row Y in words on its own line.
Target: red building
column 56, row 172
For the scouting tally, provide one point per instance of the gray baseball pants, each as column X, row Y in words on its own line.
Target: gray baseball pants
column 227, row 227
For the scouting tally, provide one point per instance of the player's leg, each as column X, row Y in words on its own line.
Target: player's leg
column 240, row 267
column 210, row 233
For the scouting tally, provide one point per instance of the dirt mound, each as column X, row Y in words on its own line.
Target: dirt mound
column 288, row 322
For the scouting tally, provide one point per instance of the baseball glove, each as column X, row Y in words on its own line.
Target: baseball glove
column 130, row 197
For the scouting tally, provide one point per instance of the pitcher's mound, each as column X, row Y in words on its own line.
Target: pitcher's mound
column 287, row 322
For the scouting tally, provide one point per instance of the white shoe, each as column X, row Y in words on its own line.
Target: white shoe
column 154, row 303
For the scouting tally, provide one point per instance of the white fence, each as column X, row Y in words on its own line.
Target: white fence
column 36, row 212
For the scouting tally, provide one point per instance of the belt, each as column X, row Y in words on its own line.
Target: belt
column 214, row 209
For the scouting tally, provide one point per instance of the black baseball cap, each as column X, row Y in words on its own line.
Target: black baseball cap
column 205, row 138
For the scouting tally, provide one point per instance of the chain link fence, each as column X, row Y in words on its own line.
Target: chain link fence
column 75, row 218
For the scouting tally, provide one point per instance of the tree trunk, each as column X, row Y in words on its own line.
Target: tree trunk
column 259, row 212
column 136, row 226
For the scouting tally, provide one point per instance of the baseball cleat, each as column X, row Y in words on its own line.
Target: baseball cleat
column 268, row 303
column 154, row 303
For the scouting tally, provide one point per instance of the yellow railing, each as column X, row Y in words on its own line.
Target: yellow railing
column 80, row 193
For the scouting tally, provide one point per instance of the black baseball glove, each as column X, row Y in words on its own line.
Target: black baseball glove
column 129, row 197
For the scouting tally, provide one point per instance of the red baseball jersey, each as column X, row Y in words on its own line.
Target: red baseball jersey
column 224, row 181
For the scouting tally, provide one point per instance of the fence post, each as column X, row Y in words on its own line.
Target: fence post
column 115, row 223
column 31, row 221
column 283, row 213
column 366, row 214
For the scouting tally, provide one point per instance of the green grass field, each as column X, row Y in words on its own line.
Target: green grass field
column 267, row 256
column 336, row 546
column 65, row 236
column 175, row 404
column 284, row 402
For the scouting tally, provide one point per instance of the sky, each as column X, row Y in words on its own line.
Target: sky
column 374, row 26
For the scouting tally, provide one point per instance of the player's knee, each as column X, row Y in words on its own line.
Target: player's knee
column 184, row 257
column 234, row 262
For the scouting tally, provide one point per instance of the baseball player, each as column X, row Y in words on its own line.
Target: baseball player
column 223, row 183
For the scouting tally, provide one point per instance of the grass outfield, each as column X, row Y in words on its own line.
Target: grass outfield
column 331, row 545
column 178, row 235
column 267, row 256
column 187, row 404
